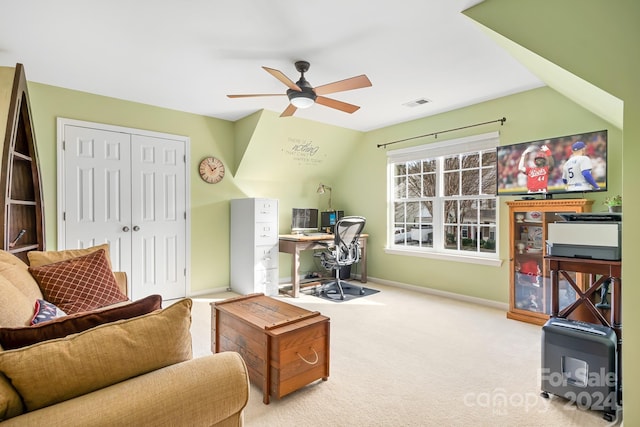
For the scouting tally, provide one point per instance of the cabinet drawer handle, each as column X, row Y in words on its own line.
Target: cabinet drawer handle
column 305, row 360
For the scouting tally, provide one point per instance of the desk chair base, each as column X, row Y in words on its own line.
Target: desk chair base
column 338, row 286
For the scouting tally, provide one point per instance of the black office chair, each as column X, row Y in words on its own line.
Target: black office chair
column 342, row 252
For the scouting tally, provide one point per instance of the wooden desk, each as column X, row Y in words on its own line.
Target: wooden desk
column 295, row 243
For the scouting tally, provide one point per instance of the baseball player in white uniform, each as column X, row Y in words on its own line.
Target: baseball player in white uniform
column 576, row 172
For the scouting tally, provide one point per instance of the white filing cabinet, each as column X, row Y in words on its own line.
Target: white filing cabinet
column 254, row 246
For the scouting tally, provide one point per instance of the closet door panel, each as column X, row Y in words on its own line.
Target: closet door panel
column 158, row 215
column 97, row 192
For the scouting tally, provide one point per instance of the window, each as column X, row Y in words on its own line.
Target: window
column 443, row 199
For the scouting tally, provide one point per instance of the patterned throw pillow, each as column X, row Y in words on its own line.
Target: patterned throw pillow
column 79, row 284
column 45, row 311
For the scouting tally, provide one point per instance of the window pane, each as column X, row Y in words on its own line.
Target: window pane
column 429, row 165
column 452, row 183
column 489, row 183
column 413, row 212
column 451, row 163
column 470, row 161
column 400, row 169
column 469, row 182
column 489, row 158
column 414, row 189
column 451, row 237
column 488, row 211
column 414, row 167
column 469, row 212
column 450, row 212
column 429, row 185
column 400, row 190
column 399, row 215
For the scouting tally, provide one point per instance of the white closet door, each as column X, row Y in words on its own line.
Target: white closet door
column 97, row 192
column 129, row 190
column 158, row 216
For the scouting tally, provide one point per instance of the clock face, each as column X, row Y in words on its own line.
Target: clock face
column 211, row 170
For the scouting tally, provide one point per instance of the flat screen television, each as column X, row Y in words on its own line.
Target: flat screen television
column 329, row 218
column 566, row 164
column 304, row 219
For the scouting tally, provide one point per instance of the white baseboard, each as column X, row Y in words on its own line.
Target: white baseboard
column 451, row 295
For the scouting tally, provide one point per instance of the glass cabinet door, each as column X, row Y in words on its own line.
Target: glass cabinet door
column 529, row 275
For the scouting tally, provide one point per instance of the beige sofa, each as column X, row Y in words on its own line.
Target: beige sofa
column 136, row 371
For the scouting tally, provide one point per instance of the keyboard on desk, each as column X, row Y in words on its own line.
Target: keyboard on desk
column 316, row 234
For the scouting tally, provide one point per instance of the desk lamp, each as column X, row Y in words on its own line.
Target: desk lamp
column 321, row 190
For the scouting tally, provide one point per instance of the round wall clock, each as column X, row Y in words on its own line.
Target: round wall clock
column 211, row 170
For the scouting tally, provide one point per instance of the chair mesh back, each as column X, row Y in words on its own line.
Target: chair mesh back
column 347, row 235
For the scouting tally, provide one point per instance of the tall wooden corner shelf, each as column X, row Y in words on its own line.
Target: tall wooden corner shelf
column 530, row 291
column 21, row 196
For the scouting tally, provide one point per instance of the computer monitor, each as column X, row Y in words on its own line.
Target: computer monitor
column 304, row 219
column 328, row 219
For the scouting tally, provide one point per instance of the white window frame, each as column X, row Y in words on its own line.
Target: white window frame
column 430, row 151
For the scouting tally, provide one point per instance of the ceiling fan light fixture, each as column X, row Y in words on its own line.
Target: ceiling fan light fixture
column 302, row 99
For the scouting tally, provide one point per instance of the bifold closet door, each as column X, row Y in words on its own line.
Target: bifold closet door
column 128, row 190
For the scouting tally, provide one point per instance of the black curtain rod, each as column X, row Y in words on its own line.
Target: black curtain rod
column 502, row 120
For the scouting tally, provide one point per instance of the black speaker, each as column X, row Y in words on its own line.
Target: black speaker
column 579, row 363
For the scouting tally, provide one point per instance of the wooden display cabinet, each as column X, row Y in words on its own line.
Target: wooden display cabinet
column 529, row 275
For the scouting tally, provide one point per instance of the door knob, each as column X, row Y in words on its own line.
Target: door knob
column 136, row 228
column 125, row 229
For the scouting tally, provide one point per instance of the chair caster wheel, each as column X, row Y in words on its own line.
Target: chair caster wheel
column 342, row 297
column 361, row 291
column 544, row 394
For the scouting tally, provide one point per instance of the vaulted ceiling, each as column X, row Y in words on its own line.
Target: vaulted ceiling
column 188, row 55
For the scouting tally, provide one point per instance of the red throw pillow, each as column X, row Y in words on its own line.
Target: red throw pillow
column 79, row 284
column 11, row 338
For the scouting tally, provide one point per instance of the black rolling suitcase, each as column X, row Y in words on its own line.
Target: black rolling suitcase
column 579, row 363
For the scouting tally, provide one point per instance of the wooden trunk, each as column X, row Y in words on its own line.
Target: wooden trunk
column 285, row 347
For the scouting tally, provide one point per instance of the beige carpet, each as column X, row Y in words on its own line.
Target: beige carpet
column 402, row 358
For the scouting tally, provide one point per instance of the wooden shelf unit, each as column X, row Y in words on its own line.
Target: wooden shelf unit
column 529, row 275
column 21, row 195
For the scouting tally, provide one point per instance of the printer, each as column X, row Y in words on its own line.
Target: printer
column 586, row 235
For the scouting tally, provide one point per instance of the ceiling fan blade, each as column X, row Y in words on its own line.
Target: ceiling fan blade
column 342, row 85
column 289, row 111
column 255, row 94
column 338, row 105
column 284, row 79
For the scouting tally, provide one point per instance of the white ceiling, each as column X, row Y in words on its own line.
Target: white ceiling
column 189, row 54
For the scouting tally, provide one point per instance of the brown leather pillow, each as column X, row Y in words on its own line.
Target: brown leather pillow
column 79, row 284
column 11, row 338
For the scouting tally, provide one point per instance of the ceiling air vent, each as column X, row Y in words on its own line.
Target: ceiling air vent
column 417, row 102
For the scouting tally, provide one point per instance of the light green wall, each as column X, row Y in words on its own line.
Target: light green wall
column 597, row 40
column 531, row 115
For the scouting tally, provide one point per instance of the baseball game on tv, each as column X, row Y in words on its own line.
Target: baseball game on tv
column 566, row 164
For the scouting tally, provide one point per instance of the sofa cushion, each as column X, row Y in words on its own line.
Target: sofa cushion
column 79, row 284
column 17, row 272
column 16, row 309
column 10, row 402
column 38, row 258
column 45, row 311
column 81, row 363
column 11, row 338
